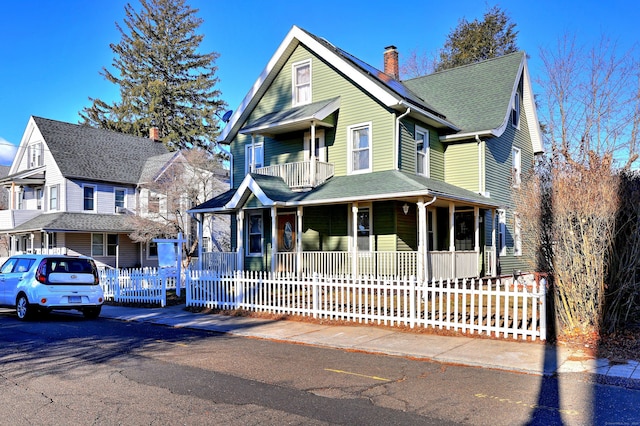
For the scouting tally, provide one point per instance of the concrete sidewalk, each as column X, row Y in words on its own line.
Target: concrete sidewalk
column 531, row 358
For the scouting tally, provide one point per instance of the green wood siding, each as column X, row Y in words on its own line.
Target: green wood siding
column 408, row 149
column 498, row 160
column 407, row 228
column 325, row 228
column 384, row 226
column 461, row 165
column 356, row 107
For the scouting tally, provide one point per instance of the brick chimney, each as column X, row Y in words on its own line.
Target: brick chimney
column 391, row 62
column 154, row 134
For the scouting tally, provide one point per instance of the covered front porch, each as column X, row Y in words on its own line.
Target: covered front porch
column 427, row 235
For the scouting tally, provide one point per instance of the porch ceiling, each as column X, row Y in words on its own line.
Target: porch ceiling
column 293, row 119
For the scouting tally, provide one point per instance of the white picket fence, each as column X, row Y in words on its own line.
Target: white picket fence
column 500, row 308
column 146, row 285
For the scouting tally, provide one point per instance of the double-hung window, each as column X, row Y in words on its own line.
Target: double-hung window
column 89, row 198
column 301, row 83
column 360, row 148
column 104, row 244
column 254, row 154
column 54, row 193
column 254, row 234
column 515, row 111
column 422, row 152
column 119, row 197
column 36, row 155
column 516, row 165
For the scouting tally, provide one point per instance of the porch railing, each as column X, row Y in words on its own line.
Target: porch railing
column 440, row 264
column 298, row 175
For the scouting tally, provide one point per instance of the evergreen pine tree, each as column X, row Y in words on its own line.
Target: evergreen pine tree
column 477, row 41
column 164, row 81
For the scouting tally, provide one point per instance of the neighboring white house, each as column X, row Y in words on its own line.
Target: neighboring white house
column 72, row 189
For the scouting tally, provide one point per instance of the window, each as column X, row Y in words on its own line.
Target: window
column 364, row 229
column 112, row 244
column 89, row 194
column 153, row 203
column 35, row 155
column 502, row 232
column 39, row 193
column 53, row 197
column 104, row 244
column 320, row 152
column 20, row 198
column 302, row 83
column 516, row 174
column 254, row 234
column 254, row 157
column 422, row 152
column 119, row 195
column 360, row 148
column 97, row 244
column 517, row 235
column 431, row 230
column 152, row 250
column 515, row 111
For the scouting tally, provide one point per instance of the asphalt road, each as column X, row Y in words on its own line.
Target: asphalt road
column 65, row 369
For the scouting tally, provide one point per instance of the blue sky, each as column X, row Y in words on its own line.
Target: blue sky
column 53, row 50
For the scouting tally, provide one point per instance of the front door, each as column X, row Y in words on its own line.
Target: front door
column 286, row 233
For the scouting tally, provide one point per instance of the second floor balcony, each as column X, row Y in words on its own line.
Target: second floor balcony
column 301, row 175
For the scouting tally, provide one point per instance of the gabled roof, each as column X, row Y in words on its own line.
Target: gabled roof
column 84, row 152
column 464, row 102
column 385, row 185
column 385, row 90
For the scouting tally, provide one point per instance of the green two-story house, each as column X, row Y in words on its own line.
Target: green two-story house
column 340, row 168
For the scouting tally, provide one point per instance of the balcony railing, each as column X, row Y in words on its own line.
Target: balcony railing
column 299, row 175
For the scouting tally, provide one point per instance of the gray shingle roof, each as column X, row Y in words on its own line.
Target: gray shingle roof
column 362, row 187
column 475, row 97
column 76, row 222
column 84, row 152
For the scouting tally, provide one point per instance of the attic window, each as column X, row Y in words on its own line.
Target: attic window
column 301, row 83
column 35, row 155
column 515, row 111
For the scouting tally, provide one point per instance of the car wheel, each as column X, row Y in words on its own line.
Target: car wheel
column 92, row 313
column 23, row 308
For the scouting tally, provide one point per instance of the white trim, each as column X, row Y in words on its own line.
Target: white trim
column 516, row 167
column 350, row 150
column 502, row 231
column 294, row 83
column 247, row 222
column 290, row 42
column 250, row 154
column 48, row 202
column 320, row 147
column 426, row 151
column 95, row 197
column 517, row 234
column 515, row 110
column 124, row 199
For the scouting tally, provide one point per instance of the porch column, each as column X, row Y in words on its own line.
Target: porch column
column 312, row 155
column 200, row 237
column 476, row 216
column 452, row 236
column 31, row 239
column 274, row 238
column 494, row 257
column 423, row 266
column 354, row 239
column 299, row 240
column 45, row 243
column 240, row 239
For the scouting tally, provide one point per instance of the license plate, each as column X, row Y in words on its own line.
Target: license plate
column 75, row 299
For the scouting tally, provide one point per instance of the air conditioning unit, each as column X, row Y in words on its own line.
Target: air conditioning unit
column 121, row 210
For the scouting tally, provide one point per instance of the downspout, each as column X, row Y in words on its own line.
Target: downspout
column 397, row 138
column 480, row 185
